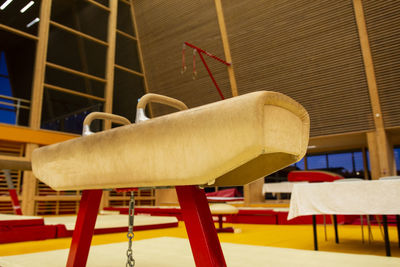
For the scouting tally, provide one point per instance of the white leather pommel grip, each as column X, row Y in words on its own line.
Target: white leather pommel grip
column 102, row 116
column 169, row 101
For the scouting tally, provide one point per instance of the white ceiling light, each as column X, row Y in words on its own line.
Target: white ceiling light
column 33, row 22
column 312, row 146
column 25, row 8
column 6, row 3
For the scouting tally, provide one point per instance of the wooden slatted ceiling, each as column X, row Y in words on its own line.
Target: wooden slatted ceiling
column 383, row 26
column 308, row 50
column 163, row 26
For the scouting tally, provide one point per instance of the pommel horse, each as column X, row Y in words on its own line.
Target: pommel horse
column 226, row 143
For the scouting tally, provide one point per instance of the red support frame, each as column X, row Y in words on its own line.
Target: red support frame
column 13, row 193
column 207, row 53
column 211, row 76
column 196, row 213
column 84, row 228
column 201, row 52
column 200, row 227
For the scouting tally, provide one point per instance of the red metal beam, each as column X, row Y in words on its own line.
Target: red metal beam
column 201, row 52
column 200, row 227
column 212, row 77
column 207, row 53
column 84, row 228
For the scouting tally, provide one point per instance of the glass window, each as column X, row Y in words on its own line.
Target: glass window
column 103, row 2
column 126, row 53
column 397, row 159
column 75, row 52
column 128, row 88
column 358, row 164
column 317, row 162
column 82, row 16
column 341, row 163
column 14, row 106
column 299, row 165
column 74, row 82
column 3, row 65
column 7, row 112
column 66, row 112
column 124, row 18
column 17, row 62
column 348, row 164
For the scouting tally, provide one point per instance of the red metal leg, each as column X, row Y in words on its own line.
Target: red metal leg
column 200, row 227
column 84, row 227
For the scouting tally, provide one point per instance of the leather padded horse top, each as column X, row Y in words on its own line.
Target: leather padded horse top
column 226, row 143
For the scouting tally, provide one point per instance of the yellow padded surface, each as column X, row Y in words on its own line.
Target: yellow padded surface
column 230, row 142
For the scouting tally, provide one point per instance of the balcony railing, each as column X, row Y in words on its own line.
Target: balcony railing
column 14, row 104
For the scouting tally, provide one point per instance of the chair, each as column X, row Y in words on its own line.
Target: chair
column 220, row 210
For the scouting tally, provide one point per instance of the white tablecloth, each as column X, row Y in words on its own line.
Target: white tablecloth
column 355, row 197
column 282, row 187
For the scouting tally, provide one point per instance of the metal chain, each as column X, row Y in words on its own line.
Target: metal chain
column 183, row 59
column 130, row 260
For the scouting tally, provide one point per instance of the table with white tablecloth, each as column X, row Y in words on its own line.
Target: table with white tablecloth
column 282, row 187
column 377, row 197
column 277, row 188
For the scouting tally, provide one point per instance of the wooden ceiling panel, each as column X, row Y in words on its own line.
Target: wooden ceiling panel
column 383, row 26
column 308, row 50
column 163, row 26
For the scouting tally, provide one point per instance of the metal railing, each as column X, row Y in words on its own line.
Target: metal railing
column 16, row 105
column 70, row 122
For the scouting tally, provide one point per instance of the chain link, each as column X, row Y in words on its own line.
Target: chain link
column 130, row 260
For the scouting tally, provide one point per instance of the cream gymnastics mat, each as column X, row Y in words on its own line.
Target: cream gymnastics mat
column 12, row 217
column 102, row 222
column 175, row 252
column 112, row 221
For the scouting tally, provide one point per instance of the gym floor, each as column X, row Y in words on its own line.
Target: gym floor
column 282, row 236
